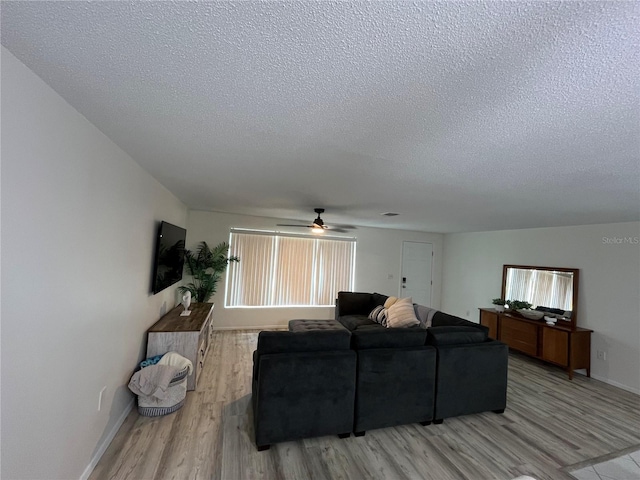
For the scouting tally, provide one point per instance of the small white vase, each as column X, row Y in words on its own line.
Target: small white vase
column 186, row 300
column 499, row 308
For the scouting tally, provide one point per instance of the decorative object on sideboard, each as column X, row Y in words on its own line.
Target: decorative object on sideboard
column 550, row 320
column 518, row 305
column 186, row 301
column 530, row 314
column 499, row 304
column 206, row 265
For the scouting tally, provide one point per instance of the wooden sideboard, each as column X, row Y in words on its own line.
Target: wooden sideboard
column 190, row 336
column 557, row 344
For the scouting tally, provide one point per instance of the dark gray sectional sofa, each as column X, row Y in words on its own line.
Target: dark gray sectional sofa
column 303, row 385
column 395, row 378
column 351, row 375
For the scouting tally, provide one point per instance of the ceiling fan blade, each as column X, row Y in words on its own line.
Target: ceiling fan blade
column 342, row 227
column 292, row 225
column 339, row 230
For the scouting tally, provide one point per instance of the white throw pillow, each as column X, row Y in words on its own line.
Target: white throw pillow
column 402, row 314
column 390, row 301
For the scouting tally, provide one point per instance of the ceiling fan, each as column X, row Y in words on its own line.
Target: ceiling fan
column 318, row 225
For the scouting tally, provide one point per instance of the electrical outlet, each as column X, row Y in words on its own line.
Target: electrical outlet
column 100, row 395
column 390, row 276
column 601, row 355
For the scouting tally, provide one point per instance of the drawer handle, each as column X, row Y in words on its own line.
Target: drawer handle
column 201, row 365
column 201, row 352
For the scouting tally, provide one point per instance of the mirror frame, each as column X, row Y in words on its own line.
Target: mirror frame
column 576, row 278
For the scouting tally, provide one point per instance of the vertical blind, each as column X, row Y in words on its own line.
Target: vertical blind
column 286, row 270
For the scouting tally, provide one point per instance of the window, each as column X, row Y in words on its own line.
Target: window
column 278, row 269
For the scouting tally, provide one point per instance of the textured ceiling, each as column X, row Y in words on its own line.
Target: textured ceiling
column 460, row 116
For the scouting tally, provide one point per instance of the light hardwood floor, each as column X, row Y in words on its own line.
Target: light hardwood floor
column 550, row 425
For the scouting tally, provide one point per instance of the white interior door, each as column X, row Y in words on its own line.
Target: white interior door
column 416, row 272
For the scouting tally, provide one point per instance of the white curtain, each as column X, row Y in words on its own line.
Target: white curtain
column 283, row 270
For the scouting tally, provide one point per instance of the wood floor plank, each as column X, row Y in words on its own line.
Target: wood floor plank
column 240, row 458
column 550, row 424
column 290, row 461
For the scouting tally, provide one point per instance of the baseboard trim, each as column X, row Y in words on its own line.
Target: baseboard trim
column 107, row 441
column 616, row 384
column 256, row 327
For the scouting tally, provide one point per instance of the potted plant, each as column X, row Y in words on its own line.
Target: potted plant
column 206, row 265
column 499, row 304
column 518, row 305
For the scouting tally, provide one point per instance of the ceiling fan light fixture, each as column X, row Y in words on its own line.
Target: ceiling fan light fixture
column 317, row 225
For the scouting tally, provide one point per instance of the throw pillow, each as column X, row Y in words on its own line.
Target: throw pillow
column 402, row 314
column 390, row 301
column 379, row 315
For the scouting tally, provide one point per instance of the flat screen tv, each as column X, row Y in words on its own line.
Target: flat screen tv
column 169, row 257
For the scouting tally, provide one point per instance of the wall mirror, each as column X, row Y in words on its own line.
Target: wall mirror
column 550, row 287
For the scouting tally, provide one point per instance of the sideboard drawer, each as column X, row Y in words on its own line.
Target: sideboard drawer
column 520, row 336
column 555, row 346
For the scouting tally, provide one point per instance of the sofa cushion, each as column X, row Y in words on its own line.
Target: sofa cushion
column 352, row 322
column 306, row 341
column 369, row 326
column 441, row 319
column 379, row 315
column 302, row 325
column 388, row 338
column 455, row 335
column 401, row 314
column 354, row 303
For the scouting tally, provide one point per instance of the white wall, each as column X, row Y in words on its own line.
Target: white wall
column 378, row 255
column 78, row 228
column 608, row 295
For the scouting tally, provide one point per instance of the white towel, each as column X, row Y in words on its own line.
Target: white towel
column 153, row 381
column 175, row 394
column 176, row 360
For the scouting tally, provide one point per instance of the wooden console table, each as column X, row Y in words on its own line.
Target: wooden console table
column 189, row 336
column 556, row 344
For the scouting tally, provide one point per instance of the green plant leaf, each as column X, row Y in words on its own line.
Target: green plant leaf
column 206, row 266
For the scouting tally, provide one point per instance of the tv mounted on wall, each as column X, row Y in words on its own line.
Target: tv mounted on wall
column 169, row 257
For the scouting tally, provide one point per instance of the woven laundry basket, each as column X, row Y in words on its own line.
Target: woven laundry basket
column 177, row 391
